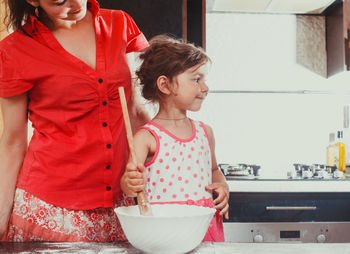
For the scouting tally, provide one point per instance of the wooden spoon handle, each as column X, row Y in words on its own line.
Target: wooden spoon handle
column 142, row 201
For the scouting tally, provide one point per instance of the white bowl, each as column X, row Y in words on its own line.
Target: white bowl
column 173, row 228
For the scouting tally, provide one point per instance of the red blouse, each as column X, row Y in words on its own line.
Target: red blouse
column 78, row 150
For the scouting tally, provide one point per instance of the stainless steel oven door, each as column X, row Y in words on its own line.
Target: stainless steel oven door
column 273, row 232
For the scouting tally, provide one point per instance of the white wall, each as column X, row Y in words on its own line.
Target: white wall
column 256, row 52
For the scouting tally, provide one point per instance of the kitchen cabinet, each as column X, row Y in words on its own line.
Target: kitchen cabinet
column 181, row 18
column 273, row 207
column 322, row 43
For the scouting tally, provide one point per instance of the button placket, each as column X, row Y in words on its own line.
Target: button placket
column 107, row 138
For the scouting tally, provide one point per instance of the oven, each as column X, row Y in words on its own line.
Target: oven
column 305, row 209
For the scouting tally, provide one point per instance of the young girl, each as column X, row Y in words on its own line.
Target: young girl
column 177, row 152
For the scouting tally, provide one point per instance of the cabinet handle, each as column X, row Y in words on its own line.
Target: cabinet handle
column 279, row 208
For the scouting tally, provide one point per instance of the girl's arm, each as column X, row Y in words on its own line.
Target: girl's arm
column 134, row 177
column 13, row 146
column 219, row 185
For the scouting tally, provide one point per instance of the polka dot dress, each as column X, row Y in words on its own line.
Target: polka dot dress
column 180, row 168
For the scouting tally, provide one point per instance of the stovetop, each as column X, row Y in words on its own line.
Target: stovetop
column 301, row 172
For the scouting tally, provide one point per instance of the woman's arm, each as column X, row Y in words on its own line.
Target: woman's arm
column 13, row 146
column 219, row 185
column 137, row 111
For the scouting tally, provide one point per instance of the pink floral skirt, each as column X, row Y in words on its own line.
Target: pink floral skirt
column 35, row 220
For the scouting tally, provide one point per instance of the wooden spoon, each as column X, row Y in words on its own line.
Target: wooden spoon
column 142, row 201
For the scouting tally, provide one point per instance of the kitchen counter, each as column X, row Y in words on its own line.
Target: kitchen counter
column 203, row 248
column 285, row 185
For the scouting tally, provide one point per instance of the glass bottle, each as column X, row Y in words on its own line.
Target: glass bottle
column 330, row 151
column 340, row 152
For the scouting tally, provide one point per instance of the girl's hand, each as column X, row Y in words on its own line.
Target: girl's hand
column 133, row 179
column 221, row 202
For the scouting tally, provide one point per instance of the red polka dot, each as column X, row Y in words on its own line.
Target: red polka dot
column 154, row 183
column 158, row 171
column 187, row 196
column 179, row 178
column 173, row 175
column 192, row 148
column 167, row 167
column 150, row 197
column 170, row 183
column 174, row 195
column 186, row 181
column 199, row 185
column 202, row 178
column 166, row 154
column 195, row 193
column 181, row 153
column 149, row 190
column 161, row 160
column 190, row 156
column 178, row 168
column 164, row 190
column 148, row 179
column 161, row 180
column 158, row 196
column 165, row 144
column 202, row 169
column 202, row 147
column 189, row 168
column 197, row 161
column 182, row 189
column 195, row 175
column 184, row 145
column 174, row 159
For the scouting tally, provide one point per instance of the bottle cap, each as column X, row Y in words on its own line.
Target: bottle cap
column 340, row 134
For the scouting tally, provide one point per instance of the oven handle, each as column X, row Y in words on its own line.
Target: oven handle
column 279, row 208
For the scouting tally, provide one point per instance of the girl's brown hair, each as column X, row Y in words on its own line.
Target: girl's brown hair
column 169, row 57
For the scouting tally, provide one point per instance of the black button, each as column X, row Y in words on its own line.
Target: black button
column 108, row 166
column 104, row 103
column 104, row 124
column 108, row 188
column 100, row 80
column 109, row 146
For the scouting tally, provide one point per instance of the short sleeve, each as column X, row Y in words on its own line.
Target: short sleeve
column 135, row 38
column 11, row 81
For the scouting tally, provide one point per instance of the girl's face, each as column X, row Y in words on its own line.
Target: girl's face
column 62, row 10
column 190, row 88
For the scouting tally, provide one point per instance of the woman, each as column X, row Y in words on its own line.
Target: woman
column 62, row 69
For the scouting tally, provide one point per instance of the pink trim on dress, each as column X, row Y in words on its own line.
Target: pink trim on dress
column 206, row 134
column 155, row 155
column 172, row 135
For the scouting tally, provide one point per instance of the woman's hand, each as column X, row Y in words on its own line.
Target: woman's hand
column 133, row 179
column 221, row 201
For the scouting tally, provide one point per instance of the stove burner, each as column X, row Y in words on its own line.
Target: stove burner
column 240, row 170
column 314, row 171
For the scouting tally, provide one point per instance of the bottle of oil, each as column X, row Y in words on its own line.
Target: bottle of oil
column 331, row 151
column 339, row 152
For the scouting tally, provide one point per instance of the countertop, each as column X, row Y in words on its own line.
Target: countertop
column 203, row 248
column 285, row 185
